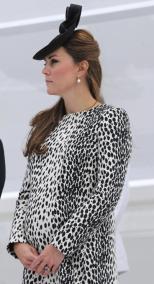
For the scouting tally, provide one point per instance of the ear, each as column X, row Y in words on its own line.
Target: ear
column 83, row 68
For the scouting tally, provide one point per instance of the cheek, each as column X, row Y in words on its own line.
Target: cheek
column 64, row 73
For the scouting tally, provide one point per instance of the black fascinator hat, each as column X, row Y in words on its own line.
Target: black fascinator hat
column 66, row 30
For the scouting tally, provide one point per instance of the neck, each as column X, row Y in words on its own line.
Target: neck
column 79, row 99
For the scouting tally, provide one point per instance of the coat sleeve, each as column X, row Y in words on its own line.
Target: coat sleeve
column 17, row 230
column 114, row 149
column 122, row 203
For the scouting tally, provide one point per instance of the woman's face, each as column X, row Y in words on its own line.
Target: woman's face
column 60, row 72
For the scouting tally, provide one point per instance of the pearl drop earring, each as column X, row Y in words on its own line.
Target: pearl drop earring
column 78, row 80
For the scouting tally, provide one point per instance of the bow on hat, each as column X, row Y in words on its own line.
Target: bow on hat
column 66, row 30
column 72, row 18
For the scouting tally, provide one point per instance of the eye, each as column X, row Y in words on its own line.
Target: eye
column 53, row 61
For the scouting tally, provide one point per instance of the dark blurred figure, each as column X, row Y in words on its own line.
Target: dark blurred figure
column 2, row 168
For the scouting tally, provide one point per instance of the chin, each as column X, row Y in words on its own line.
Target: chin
column 52, row 93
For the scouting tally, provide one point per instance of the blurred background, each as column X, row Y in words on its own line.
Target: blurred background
column 124, row 30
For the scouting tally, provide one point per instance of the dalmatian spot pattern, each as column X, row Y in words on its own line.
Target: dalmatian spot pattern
column 69, row 194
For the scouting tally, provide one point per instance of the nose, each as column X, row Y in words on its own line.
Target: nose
column 46, row 70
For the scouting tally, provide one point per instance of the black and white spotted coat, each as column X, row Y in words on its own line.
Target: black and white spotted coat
column 69, row 194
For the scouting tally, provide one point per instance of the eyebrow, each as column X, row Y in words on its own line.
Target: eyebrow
column 52, row 55
column 49, row 56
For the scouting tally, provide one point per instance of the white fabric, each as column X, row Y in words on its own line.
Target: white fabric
column 122, row 261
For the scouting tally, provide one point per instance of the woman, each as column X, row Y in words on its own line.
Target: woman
column 78, row 152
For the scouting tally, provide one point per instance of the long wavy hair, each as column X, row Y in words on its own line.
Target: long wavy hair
column 81, row 46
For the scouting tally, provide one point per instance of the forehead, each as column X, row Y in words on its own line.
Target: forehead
column 60, row 52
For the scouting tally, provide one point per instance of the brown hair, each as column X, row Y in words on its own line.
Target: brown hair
column 81, row 46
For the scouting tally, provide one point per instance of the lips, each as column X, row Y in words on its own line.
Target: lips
column 48, row 81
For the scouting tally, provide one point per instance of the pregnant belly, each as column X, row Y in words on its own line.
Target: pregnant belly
column 43, row 218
